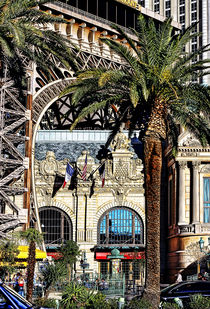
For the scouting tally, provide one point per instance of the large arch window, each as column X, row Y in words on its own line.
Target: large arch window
column 56, row 225
column 120, row 225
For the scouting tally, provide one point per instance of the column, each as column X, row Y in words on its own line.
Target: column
column 195, row 195
column 92, row 39
column 182, row 166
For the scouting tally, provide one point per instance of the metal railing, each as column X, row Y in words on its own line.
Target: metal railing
column 88, row 15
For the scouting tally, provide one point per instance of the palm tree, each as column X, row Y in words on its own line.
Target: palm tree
column 33, row 238
column 157, row 91
column 23, row 35
column 69, row 255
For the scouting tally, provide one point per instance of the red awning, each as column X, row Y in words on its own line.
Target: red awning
column 127, row 255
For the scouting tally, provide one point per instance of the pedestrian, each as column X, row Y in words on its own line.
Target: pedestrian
column 200, row 277
column 204, row 276
column 21, row 283
column 16, row 284
column 88, row 284
column 103, row 285
column 179, row 277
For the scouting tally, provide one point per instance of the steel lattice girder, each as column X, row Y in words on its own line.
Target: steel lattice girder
column 13, row 116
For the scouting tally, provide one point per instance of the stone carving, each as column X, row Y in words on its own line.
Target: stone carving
column 122, row 173
column 205, row 168
column 49, row 166
column 182, row 164
column 120, row 194
column 196, row 165
column 188, row 139
column 120, row 142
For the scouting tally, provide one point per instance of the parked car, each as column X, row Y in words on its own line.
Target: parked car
column 182, row 291
column 10, row 299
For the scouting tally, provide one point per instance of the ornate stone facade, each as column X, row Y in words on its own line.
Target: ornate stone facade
column 87, row 202
column 186, row 205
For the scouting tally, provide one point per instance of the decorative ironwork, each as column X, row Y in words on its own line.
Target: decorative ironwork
column 61, row 114
column 56, row 225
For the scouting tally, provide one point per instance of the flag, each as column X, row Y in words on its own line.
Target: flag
column 69, row 173
column 84, row 172
column 102, row 174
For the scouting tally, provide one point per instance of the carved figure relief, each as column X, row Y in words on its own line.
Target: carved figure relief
column 120, row 142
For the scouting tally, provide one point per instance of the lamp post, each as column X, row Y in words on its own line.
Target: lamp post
column 207, row 253
column 84, row 264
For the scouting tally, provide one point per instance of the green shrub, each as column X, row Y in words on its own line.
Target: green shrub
column 139, row 304
column 78, row 296
column 96, row 300
column 170, row 306
column 74, row 296
column 43, row 302
column 199, row 302
column 113, row 303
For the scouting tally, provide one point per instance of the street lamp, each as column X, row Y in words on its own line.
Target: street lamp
column 201, row 244
column 207, row 253
column 84, row 264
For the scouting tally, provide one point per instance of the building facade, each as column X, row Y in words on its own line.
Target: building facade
column 101, row 211
column 93, row 221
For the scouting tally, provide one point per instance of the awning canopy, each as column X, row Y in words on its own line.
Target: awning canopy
column 23, row 255
column 21, row 259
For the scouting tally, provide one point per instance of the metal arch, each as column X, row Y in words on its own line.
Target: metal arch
column 126, row 208
column 62, row 114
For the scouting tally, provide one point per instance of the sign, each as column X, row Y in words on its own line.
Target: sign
column 54, row 255
column 127, row 255
column 131, row 3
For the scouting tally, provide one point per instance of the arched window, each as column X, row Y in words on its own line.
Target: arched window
column 120, row 225
column 56, row 225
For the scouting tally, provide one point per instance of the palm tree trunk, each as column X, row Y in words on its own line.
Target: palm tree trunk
column 153, row 166
column 30, row 270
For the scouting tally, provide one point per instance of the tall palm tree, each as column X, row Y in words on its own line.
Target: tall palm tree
column 157, row 91
column 33, row 238
column 24, row 34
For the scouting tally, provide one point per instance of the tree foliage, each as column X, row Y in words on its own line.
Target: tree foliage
column 8, row 255
column 52, row 274
column 69, row 254
column 157, row 72
column 25, row 34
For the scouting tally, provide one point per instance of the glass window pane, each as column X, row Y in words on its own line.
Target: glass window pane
column 120, row 228
column 206, row 199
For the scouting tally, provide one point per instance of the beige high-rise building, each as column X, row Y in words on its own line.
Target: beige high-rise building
column 186, row 12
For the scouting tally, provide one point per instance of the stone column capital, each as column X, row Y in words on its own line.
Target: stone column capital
column 182, row 164
column 196, row 164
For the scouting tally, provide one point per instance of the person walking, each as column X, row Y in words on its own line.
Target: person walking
column 21, row 283
column 179, row 277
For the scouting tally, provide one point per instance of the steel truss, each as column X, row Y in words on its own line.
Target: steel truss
column 13, row 117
